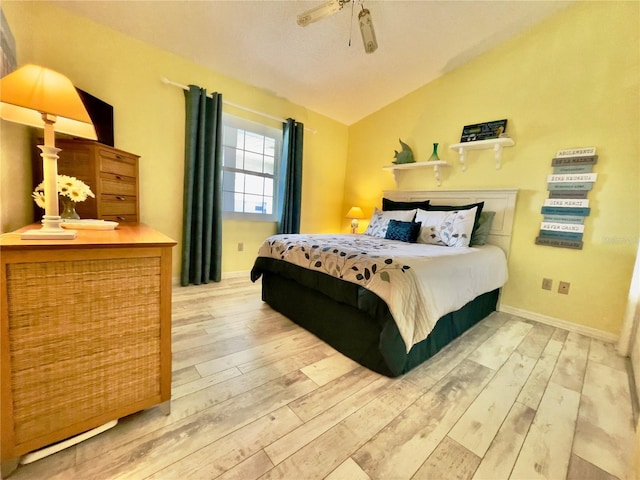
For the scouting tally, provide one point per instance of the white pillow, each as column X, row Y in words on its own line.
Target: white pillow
column 451, row 229
column 380, row 220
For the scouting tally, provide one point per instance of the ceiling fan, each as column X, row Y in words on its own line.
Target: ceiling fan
column 329, row 7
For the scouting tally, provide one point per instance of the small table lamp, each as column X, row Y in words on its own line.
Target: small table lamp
column 355, row 213
column 39, row 97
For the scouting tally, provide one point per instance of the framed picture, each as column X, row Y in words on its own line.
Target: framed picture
column 483, row 131
column 7, row 47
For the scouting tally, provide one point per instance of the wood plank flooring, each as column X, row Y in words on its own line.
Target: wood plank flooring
column 257, row 397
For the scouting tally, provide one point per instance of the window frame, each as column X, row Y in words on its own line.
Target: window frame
column 265, row 131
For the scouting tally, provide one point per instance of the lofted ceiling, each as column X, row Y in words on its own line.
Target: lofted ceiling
column 260, row 43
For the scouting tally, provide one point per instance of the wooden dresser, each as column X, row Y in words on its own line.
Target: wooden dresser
column 85, row 333
column 111, row 174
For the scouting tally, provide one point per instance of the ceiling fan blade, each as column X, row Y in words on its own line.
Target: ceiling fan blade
column 367, row 31
column 324, row 10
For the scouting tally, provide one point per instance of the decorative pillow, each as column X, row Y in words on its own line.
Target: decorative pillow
column 447, row 228
column 380, row 220
column 448, row 208
column 403, row 231
column 480, row 234
column 392, row 205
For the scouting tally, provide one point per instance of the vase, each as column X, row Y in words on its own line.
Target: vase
column 434, row 156
column 68, row 209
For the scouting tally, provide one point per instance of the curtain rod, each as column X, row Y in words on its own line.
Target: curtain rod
column 232, row 104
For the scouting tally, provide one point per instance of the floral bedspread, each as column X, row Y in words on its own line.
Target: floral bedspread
column 420, row 283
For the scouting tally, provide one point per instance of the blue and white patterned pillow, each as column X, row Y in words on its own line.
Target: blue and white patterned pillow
column 403, row 231
column 380, row 221
column 448, row 228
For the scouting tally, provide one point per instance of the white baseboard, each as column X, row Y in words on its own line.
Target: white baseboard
column 556, row 322
column 537, row 317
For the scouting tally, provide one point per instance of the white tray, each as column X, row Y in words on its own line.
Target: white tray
column 83, row 224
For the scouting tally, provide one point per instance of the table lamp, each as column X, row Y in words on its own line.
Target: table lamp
column 355, row 213
column 39, row 97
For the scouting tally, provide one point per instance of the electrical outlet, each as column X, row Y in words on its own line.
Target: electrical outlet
column 547, row 284
column 563, row 287
column 240, row 246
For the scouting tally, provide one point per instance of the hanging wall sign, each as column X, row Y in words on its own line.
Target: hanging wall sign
column 483, row 131
column 567, row 206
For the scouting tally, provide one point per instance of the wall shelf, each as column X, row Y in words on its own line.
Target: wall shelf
column 415, row 165
column 497, row 144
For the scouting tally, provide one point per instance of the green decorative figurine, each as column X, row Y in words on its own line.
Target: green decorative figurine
column 404, row 156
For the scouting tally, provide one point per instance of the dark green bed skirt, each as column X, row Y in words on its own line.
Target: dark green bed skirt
column 357, row 322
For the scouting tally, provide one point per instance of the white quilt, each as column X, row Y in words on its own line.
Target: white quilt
column 419, row 283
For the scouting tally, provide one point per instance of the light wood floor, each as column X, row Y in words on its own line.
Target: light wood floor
column 256, row 396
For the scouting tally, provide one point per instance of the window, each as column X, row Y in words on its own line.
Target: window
column 250, row 160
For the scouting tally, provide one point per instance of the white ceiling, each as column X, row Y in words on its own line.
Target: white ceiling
column 260, row 43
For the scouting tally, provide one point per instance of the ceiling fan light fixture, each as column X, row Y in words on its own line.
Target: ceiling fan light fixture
column 324, row 10
column 368, row 33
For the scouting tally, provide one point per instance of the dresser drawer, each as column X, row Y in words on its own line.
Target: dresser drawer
column 117, row 184
column 118, row 164
column 120, row 218
column 118, row 205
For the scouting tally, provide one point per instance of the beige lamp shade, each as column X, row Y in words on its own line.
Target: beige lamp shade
column 32, row 91
column 355, row 212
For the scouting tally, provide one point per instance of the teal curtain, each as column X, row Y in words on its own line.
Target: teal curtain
column 290, row 192
column 202, row 199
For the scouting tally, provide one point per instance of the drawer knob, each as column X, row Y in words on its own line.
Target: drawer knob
column 118, row 177
column 119, row 198
column 121, row 218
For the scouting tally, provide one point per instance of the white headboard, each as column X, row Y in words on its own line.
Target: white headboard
column 501, row 201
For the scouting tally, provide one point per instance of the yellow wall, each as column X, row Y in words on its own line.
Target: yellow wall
column 15, row 174
column 149, row 121
column 571, row 81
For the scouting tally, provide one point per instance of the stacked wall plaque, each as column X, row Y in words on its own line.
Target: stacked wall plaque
column 567, row 206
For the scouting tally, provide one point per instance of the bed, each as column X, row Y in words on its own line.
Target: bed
column 383, row 302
